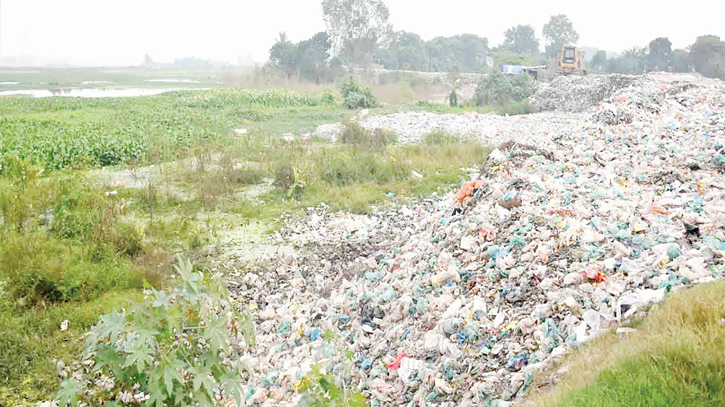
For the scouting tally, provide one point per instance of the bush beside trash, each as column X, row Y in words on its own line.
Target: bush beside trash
column 497, row 89
column 356, row 95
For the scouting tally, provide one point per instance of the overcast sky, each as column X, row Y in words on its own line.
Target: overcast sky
column 116, row 32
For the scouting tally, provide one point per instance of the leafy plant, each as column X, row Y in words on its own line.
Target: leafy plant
column 496, row 89
column 67, row 133
column 16, row 200
column 176, row 347
column 356, row 95
column 328, row 98
column 323, row 390
column 358, row 135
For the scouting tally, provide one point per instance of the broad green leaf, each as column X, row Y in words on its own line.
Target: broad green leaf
column 111, row 325
column 180, row 396
column 171, row 372
column 91, row 341
column 216, row 333
column 140, row 356
column 162, row 299
column 70, row 391
column 145, row 335
column 233, row 383
column 202, row 376
column 109, row 355
column 209, row 359
column 173, row 316
column 185, row 269
column 156, row 395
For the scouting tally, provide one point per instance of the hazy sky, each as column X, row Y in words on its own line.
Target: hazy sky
column 122, row 31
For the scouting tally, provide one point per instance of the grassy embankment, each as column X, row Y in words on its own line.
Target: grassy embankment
column 675, row 358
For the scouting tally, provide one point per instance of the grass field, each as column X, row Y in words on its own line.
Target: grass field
column 98, row 195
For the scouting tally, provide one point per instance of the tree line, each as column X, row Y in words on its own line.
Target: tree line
column 358, row 33
column 706, row 56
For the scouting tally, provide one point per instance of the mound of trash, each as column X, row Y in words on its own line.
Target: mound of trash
column 459, row 299
column 411, row 127
column 579, row 93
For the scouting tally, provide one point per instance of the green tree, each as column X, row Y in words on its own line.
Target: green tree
column 460, row 53
column 312, row 58
column 521, row 40
column 307, row 59
column 497, row 89
column 283, row 55
column 681, row 61
column 559, row 31
column 357, row 28
column 406, row 51
column 632, row 61
column 708, row 56
column 599, row 61
column 659, row 57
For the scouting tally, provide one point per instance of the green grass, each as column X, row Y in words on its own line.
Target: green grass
column 30, row 339
column 441, row 137
column 645, row 380
column 675, row 359
column 515, row 107
column 59, row 133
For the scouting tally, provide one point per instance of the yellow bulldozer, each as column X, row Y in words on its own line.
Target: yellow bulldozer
column 569, row 61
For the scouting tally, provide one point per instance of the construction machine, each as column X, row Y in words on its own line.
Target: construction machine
column 569, row 61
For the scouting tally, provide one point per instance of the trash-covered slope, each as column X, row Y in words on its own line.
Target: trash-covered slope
column 458, row 300
column 579, row 93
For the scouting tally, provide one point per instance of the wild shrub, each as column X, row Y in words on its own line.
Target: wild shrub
column 34, row 266
column 177, row 346
column 327, row 98
column 356, row 95
column 20, row 198
column 41, row 269
column 496, row 89
column 358, row 135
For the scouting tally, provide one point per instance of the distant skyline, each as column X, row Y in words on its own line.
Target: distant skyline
column 94, row 32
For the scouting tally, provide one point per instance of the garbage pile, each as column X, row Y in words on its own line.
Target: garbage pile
column 411, row 127
column 579, row 93
column 458, row 300
column 330, row 131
